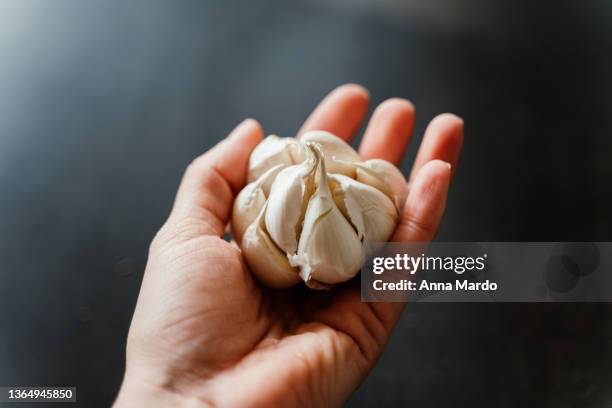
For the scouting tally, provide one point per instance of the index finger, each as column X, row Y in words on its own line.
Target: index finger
column 341, row 112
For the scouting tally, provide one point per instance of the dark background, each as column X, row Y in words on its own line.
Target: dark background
column 103, row 103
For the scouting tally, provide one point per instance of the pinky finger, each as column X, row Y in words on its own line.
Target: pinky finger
column 425, row 203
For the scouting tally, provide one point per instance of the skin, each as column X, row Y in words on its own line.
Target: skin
column 205, row 333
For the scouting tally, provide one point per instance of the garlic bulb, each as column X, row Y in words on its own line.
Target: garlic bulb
column 311, row 207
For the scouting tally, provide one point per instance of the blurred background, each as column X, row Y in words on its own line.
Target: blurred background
column 103, row 104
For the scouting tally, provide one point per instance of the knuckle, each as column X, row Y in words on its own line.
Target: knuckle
column 203, row 180
column 159, row 240
column 196, row 165
column 418, row 226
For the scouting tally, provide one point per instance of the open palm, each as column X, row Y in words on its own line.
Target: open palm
column 205, row 332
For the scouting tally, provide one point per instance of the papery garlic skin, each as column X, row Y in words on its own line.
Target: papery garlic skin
column 370, row 211
column 251, row 200
column 271, row 152
column 324, row 226
column 338, row 154
column 312, row 207
column 266, row 261
column 286, row 204
column 386, row 177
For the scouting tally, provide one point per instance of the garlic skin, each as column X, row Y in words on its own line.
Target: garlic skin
column 338, row 155
column 370, row 211
column 271, row 152
column 311, row 208
column 286, row 204
column 266, row 261
column 324, row 225
column 251, row 200
column 385, row 176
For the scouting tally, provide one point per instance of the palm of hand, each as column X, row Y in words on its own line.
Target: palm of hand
column 267, row 340
column 222, row 338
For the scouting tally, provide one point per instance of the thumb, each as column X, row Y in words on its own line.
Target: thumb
column 207, row 190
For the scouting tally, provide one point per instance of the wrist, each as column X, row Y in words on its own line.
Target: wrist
column 135, row 392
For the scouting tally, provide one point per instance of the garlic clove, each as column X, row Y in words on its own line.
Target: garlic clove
column 250, row 201
column 287, row 203
column 272, row 151
column 386, row 177
column 247, row 206
column 297, row 151
column 371, row 212
column 339, row 155
column 329, row 250
column 268, row 263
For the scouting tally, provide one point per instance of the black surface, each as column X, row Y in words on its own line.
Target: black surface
column 103, row 104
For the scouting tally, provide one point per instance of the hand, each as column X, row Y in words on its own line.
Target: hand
column 206, row 333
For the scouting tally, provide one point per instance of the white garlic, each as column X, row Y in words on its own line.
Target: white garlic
column 390, row 181
column 371, row 212
column 267, row 262
column 251, row 200
column 271, row 152
column 311, row 208
column 287, row 202
column 339, row 156
column 319, row 260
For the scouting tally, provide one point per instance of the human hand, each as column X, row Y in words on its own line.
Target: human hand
column 204, row 332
